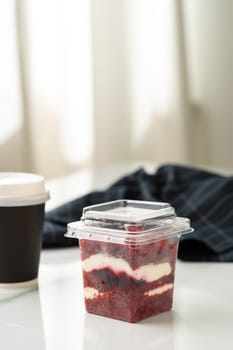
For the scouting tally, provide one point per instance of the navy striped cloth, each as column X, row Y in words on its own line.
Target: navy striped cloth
column 204, row 197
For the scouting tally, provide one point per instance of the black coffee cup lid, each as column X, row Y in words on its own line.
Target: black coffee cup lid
column 21, row 189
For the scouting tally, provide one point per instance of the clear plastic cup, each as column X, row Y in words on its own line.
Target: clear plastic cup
column 129, row 251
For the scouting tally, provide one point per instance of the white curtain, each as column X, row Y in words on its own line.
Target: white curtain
column 91, row 82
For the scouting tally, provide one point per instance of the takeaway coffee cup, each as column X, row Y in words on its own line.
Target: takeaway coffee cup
column 22, row 202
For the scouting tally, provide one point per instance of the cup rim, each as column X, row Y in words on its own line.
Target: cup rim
column 21, row 202
column 22, row 189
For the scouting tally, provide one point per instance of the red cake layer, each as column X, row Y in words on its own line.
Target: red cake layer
column 129, row 307
column 121, row 296
column 105, row 280
column 136, row 256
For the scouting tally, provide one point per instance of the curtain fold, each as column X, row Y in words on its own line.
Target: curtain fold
column 12, row 133
column 101, row 81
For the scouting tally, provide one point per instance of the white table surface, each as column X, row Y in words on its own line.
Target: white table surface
column 51, row 316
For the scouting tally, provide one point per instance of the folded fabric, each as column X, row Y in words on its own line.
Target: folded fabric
column 204, row 197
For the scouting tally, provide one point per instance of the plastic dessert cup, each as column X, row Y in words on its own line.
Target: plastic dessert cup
column 129, row 251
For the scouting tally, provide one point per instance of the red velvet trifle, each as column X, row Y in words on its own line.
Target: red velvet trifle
column 128, row 251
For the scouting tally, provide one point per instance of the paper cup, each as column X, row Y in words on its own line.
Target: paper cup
column 22, row 202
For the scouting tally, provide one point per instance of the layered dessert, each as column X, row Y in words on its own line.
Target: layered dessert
column 128, row 251
column 129, row 283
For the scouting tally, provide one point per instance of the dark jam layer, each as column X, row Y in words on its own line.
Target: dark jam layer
column 121, row 296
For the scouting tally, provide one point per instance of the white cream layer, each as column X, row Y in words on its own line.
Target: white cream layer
column 148, row 273
column 92, row 293
column 159, row 290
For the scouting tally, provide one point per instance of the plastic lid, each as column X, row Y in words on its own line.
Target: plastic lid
column 21, row 189
column 127, row 221
column 130, row 211
column 79, row 230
